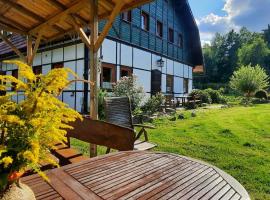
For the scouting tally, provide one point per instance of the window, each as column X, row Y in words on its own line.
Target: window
column 145, row 21
column 125, row 71
column 108, row 75
column 14, row 74
column 159, row 29
column 126, row 16
column 37, row 70
column 171, row 35
column 57, row 65
column 180, row 40
column 169, row 83
column 186, row 85
column 2, row 92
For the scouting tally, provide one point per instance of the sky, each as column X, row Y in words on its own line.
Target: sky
column 223, row 15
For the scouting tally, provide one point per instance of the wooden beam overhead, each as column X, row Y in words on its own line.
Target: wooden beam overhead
column 9, row 28
column 107, row 5
column 12, row 46
column 12, row 23
column 23, row 10
column 80, row 32
column 78, row 5
column 57, row 4
column 109, row 24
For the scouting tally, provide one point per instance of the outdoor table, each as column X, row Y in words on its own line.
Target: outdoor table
column 137, row 175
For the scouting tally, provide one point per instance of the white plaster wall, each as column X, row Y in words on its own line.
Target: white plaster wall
column 144, row 79
column 57, row 55
column 117, row 72
column 69, row 98
column 46, row 57
column 80, row 71
column 69, row 52
column 79, row 101
column 178, row 85
column 169, row 67
column 190, row 72
column 109, row 51
column 37, row 59
column 71, row 65
column 126, row 55
column 190, row 86
column 80, row 50
column 142, row 59
column 46, row 69
column 178, row 69
column 14, row 98
column 186, row 71
column 20, row 96
column 163, row 83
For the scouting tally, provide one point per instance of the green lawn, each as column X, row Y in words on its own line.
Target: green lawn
column 236, row 140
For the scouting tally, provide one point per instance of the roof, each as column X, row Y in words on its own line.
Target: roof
column 18, row 40
column 52, row 17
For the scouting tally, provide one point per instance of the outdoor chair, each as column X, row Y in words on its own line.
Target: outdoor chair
column 118, row 111
column 94, row 132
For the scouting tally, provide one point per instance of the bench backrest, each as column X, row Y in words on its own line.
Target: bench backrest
column 118, row 111
column 102, row 133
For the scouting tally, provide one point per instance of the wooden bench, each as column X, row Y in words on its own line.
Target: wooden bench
column 95, row 132
column 194, row 99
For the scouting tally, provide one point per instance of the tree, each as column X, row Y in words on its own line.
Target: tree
column 255, row 52
column 247, row 80
column 127, row 86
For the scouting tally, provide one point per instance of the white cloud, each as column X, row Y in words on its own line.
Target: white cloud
column 253, row 14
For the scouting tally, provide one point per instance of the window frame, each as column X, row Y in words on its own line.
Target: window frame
column 145, row 17
column 113, row 74
column 185, row 85
column 171, row 35
column 54, row 65
column 159, row 33
column 180, row 40
column 127, row 16
column 168, row 76
column 127, row 69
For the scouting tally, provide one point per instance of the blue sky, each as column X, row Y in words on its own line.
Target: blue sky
column 223, row 15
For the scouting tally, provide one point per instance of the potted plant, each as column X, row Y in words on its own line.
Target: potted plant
column 30, row 129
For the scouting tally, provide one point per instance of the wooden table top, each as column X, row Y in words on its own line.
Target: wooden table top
column 137, row 175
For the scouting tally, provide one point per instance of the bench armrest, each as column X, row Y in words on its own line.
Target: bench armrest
column 144, row 126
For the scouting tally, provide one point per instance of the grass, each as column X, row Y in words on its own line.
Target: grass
column 237, row 140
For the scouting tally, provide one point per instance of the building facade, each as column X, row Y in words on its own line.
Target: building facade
column 158, row 42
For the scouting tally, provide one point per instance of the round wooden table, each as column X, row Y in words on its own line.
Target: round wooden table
column 138, row 175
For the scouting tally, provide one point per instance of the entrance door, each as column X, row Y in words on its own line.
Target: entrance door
column 155, row 81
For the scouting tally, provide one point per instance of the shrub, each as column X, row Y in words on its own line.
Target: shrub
column 215, row 95
column 202, row 95
column 261, row 94
column 101, row 110
column 247, row 80
column 191, row 105
column 127, row 86
column 154, row 104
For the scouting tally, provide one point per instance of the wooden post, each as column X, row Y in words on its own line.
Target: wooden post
column 93, row 68
column 29, row 50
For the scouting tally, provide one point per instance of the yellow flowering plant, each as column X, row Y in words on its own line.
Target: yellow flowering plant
column 30, row 129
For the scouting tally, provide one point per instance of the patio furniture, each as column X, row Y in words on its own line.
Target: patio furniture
column 137, row 175
column 118, row 111
column 94, row 132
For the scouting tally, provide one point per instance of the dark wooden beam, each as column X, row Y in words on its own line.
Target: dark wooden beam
column 23, row 10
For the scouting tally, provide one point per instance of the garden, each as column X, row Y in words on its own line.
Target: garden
column 228, row 130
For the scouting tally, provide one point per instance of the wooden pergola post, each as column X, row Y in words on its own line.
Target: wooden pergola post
column 29, row 55
column 93, row 68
